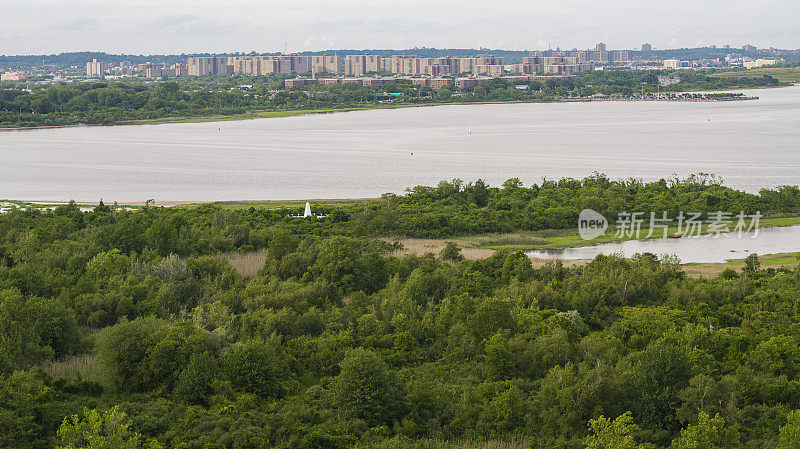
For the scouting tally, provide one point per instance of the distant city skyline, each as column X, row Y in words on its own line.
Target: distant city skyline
column 178, row 26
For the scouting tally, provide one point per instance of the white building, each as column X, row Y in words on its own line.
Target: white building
column 761, row 63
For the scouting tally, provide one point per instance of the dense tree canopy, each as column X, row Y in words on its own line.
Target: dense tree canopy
column 133, row 328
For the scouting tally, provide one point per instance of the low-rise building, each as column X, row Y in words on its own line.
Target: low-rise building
column 464, row 83
column 761, row 63
column 298, row 82
column 433, row 83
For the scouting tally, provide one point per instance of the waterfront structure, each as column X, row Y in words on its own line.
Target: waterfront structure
column 96, row 68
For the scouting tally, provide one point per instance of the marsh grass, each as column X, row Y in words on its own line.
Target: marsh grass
column 247, row 264
column 520, row 238
column 83, row 367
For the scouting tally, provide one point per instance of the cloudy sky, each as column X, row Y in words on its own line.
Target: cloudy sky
column 174, row 26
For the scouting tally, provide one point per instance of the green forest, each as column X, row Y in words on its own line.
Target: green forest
column 100, row 102
column 131, row 329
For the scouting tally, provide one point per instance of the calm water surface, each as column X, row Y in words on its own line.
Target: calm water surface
column 692, row 249
column 750, row 144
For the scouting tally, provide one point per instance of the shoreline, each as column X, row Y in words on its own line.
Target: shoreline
column 255, row 115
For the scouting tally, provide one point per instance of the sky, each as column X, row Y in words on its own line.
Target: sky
column 223, row 26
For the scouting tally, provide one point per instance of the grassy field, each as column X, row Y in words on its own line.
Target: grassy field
column 782, row 74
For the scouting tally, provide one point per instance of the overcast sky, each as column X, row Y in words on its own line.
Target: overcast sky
column 175, row 26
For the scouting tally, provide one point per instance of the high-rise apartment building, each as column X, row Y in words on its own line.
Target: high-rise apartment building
column 257, row 65
column 95, row 68
column 358, row 65
column 326, row 64
column 621, row 56
column 536, row 63
column 207, row 65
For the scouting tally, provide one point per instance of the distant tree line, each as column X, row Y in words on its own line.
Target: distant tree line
column 112, row 102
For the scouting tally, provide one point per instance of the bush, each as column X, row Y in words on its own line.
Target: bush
column 256, row 367
column 365, row 389
column 195, row 382
column 123, row 351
